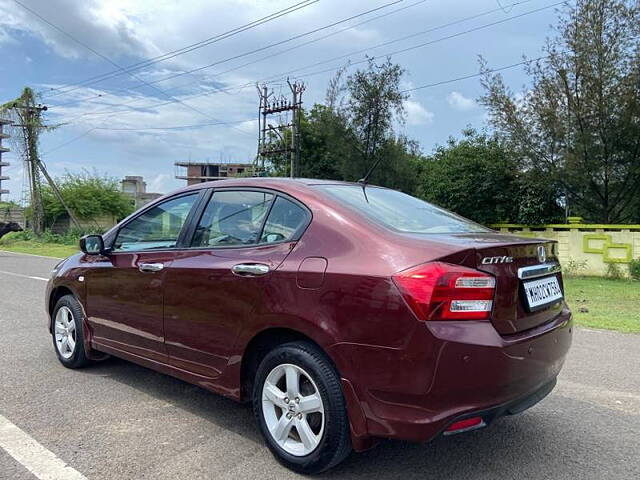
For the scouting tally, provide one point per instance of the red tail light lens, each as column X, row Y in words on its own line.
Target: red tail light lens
column 441, row 291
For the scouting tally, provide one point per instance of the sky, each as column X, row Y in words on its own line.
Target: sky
column 124, row 123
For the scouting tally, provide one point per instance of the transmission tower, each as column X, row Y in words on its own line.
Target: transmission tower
column 283, row 139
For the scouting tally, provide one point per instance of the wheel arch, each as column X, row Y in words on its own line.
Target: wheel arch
column 56, row 294
column 260, row 344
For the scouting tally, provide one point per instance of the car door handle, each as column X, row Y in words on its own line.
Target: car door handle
column 150, row 267
column 250, row 269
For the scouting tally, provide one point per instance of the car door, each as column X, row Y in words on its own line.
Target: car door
column 125, row 288
column 213, row 288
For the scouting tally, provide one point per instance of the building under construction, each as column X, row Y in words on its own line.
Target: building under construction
column 3, row 191
column 198, row 172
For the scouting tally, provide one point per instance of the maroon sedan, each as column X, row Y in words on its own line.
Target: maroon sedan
column 345, row 313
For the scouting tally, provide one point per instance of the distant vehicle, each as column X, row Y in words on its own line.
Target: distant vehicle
column 344, row 312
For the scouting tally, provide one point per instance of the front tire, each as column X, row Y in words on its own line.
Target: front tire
column 67, row 333
column 300, row 408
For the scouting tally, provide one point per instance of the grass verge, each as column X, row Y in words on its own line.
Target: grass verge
column 37, row 248
column 604, row 303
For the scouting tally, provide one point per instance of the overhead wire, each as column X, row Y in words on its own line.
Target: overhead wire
column 174, row 53
column 283, row 75
column 241, row 55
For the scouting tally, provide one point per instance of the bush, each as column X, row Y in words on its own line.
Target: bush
column 88, row 195
column 573, row 268
column 72, row 237
column 634, row 269
column 614, row 271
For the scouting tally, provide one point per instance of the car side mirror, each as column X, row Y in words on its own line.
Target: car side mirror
column 92, row 245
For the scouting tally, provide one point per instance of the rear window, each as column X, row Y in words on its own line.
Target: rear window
column 401, row 212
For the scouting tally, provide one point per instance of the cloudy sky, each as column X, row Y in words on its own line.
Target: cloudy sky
column 117, row 122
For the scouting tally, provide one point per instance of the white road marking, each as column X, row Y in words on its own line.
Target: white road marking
column 30, row 255
column 44, row 464
column 24, row 276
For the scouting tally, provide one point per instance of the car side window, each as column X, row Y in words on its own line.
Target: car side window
column 157, row 228
column 285, row 221
column 232, row 218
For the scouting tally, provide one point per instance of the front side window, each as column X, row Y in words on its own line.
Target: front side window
column 232, row 218
column 157, row 228
column 285, row 221
column 401, row 212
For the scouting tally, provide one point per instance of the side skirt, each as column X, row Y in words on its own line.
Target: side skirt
column 166, row 368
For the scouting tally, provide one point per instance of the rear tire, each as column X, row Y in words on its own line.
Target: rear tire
column 308, row 433
column 67, row 333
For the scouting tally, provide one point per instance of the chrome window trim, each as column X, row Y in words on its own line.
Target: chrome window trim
column 535, row 271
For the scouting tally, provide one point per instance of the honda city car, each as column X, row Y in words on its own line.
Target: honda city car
column 343, row 312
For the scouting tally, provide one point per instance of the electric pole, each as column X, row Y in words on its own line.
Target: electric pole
column 29, row 116
column 283, row 147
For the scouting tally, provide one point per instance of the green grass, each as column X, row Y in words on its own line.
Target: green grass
column 609, row 304
column 38, row 248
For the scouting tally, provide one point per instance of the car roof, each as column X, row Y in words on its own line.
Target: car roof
column 266, row 182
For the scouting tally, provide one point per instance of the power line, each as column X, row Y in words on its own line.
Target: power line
column 281, row 76
column 261, row 59
column 180, row 51
column 414, row 47
column 260, row 49
column 116, row 65
column 408, row 90
column 474, row 75
column 175, row 127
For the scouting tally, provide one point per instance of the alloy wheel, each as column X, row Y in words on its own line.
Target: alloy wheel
column 65, row 332
column 293, row 409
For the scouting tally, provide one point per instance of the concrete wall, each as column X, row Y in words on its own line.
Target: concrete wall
column 98, row 224
column 13, row 214
column 593, row 246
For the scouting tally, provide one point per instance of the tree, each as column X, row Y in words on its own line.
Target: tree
column 89, row 195
column 374, row 100
column 579, row 123
column 480, row 178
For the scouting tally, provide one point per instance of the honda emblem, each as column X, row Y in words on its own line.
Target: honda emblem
column 542, row 254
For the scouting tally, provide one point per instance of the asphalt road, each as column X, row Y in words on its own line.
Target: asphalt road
column 116, row 420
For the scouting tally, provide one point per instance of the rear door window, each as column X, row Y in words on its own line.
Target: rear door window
column 285, row 222
column 232, row 218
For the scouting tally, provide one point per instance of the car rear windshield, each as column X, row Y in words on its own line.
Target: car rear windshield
column 401, row 212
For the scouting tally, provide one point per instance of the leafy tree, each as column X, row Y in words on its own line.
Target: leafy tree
column 579, row 123
column 480, row 178
column 88, row 195
column 373, row 102
column 327, row 144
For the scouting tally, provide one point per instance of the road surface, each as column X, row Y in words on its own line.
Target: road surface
column 116, row 420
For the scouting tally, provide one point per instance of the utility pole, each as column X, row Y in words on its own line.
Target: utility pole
column 270, row 105
column 30, row 122
column 297, row 89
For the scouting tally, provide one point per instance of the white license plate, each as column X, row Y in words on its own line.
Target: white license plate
column 542, row 292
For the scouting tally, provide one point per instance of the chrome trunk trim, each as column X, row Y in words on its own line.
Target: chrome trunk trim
column 534, row 271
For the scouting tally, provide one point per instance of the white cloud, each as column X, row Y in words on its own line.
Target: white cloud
column 158, row 183
column 458, row 101
column 417, row 114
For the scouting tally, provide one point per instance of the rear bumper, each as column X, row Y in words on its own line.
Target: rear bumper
column 453, row 370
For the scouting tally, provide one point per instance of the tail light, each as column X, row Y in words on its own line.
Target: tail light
column 441, row 291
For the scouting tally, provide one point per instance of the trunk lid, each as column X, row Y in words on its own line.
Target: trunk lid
column 502, row 256
column 531, row 259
